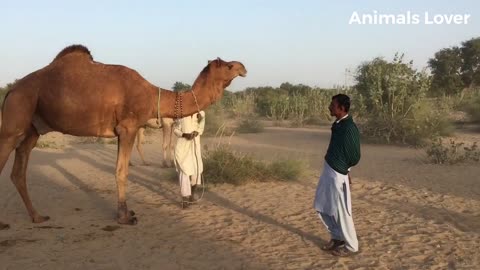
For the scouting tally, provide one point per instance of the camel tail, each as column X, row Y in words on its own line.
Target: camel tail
column 1, row 109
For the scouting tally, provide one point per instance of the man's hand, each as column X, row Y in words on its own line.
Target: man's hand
column 195, row 134
column 188, row 136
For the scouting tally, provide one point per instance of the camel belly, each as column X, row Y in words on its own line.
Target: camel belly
column 40, row 125
column 78, row 129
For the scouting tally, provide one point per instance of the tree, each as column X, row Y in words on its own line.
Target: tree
column 470, row 53
column 446, row 69
column 180, row 86
column 4, row 91
column 456, row 68
column 295, row 89
column 396, row 108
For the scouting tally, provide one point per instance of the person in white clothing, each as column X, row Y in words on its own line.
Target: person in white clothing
column 188, row 154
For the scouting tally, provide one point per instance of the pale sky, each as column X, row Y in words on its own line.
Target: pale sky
column 309, row 42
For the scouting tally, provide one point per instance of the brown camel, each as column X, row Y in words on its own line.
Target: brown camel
column 166, row 124
column 76, row 95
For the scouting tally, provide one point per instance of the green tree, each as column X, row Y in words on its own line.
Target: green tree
column 446, row 69
column 4, row 90
column 456, row 68
column 396, row 107
column 180, row 86
column 470, row 52
column 295, row 89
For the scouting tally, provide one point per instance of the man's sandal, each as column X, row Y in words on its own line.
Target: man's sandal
column 342, row 251
column 333, row 244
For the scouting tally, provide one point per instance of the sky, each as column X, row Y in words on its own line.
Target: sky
column 308, row 42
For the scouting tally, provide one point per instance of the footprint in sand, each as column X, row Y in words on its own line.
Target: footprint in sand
column 8, row 243
column 48, row 227
column 4, row 226
column 12, row 242
column 110, row 228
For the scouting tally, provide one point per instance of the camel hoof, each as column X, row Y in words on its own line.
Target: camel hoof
column 40, row 219
column 128, row 221
column 132, row 213
column 146, row 164
column 164, row 164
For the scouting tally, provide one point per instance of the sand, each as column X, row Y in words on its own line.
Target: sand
column 408, row 214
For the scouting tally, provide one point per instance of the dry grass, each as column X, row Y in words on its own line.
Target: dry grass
column 223, row 165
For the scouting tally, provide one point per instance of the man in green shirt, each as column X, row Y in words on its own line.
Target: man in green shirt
column 332, row 199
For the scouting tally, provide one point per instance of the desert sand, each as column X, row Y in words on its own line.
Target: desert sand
column 409, row 214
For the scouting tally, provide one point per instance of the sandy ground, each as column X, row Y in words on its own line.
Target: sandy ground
column 408, row 214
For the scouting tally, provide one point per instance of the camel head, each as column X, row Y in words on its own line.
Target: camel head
column 226, row 71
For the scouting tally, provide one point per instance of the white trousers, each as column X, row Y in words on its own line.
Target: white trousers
column 187, row 181
column 333, row 202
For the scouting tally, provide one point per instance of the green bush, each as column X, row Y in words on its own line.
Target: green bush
column 223, row 165
column 453, row 153
column 295, row 103
column 240, row 104
column 395, row 105
column 287, row 170
column 472, row 107
column 215, row 121
column 4, row 91
column 248, row 125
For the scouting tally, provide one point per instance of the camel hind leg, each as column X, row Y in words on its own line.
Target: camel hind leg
column 7, row 144
column 170, row 148
column 140, row 141
column 140, row 138
column 167, row 145
column 18, row 176
column 16, row 132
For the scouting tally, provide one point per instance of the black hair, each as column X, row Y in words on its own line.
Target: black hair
column 343, row 101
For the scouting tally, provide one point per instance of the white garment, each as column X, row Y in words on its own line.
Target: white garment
column 338, row 121
column 330, row 192
column 188, row 154
column 333, row 198
column 186, row 183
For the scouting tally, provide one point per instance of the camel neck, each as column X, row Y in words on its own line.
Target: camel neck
column 187, row 103
column 205, row 89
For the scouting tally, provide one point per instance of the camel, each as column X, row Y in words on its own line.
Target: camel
column 78, row 96
column 166, row 124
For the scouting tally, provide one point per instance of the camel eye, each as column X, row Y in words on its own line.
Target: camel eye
column 230, row 66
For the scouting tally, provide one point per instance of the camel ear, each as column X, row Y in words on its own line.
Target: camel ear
column 219, row 61
column 209, row 61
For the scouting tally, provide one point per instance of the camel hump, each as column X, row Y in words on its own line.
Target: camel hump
column 72, row 49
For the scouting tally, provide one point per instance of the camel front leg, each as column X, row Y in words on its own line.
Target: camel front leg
column 126, row 139
column 18, row 176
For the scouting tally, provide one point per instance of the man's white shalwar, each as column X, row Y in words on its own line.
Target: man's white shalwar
column 333, row 202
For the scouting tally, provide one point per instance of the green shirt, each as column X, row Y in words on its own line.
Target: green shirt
column 344, row 148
